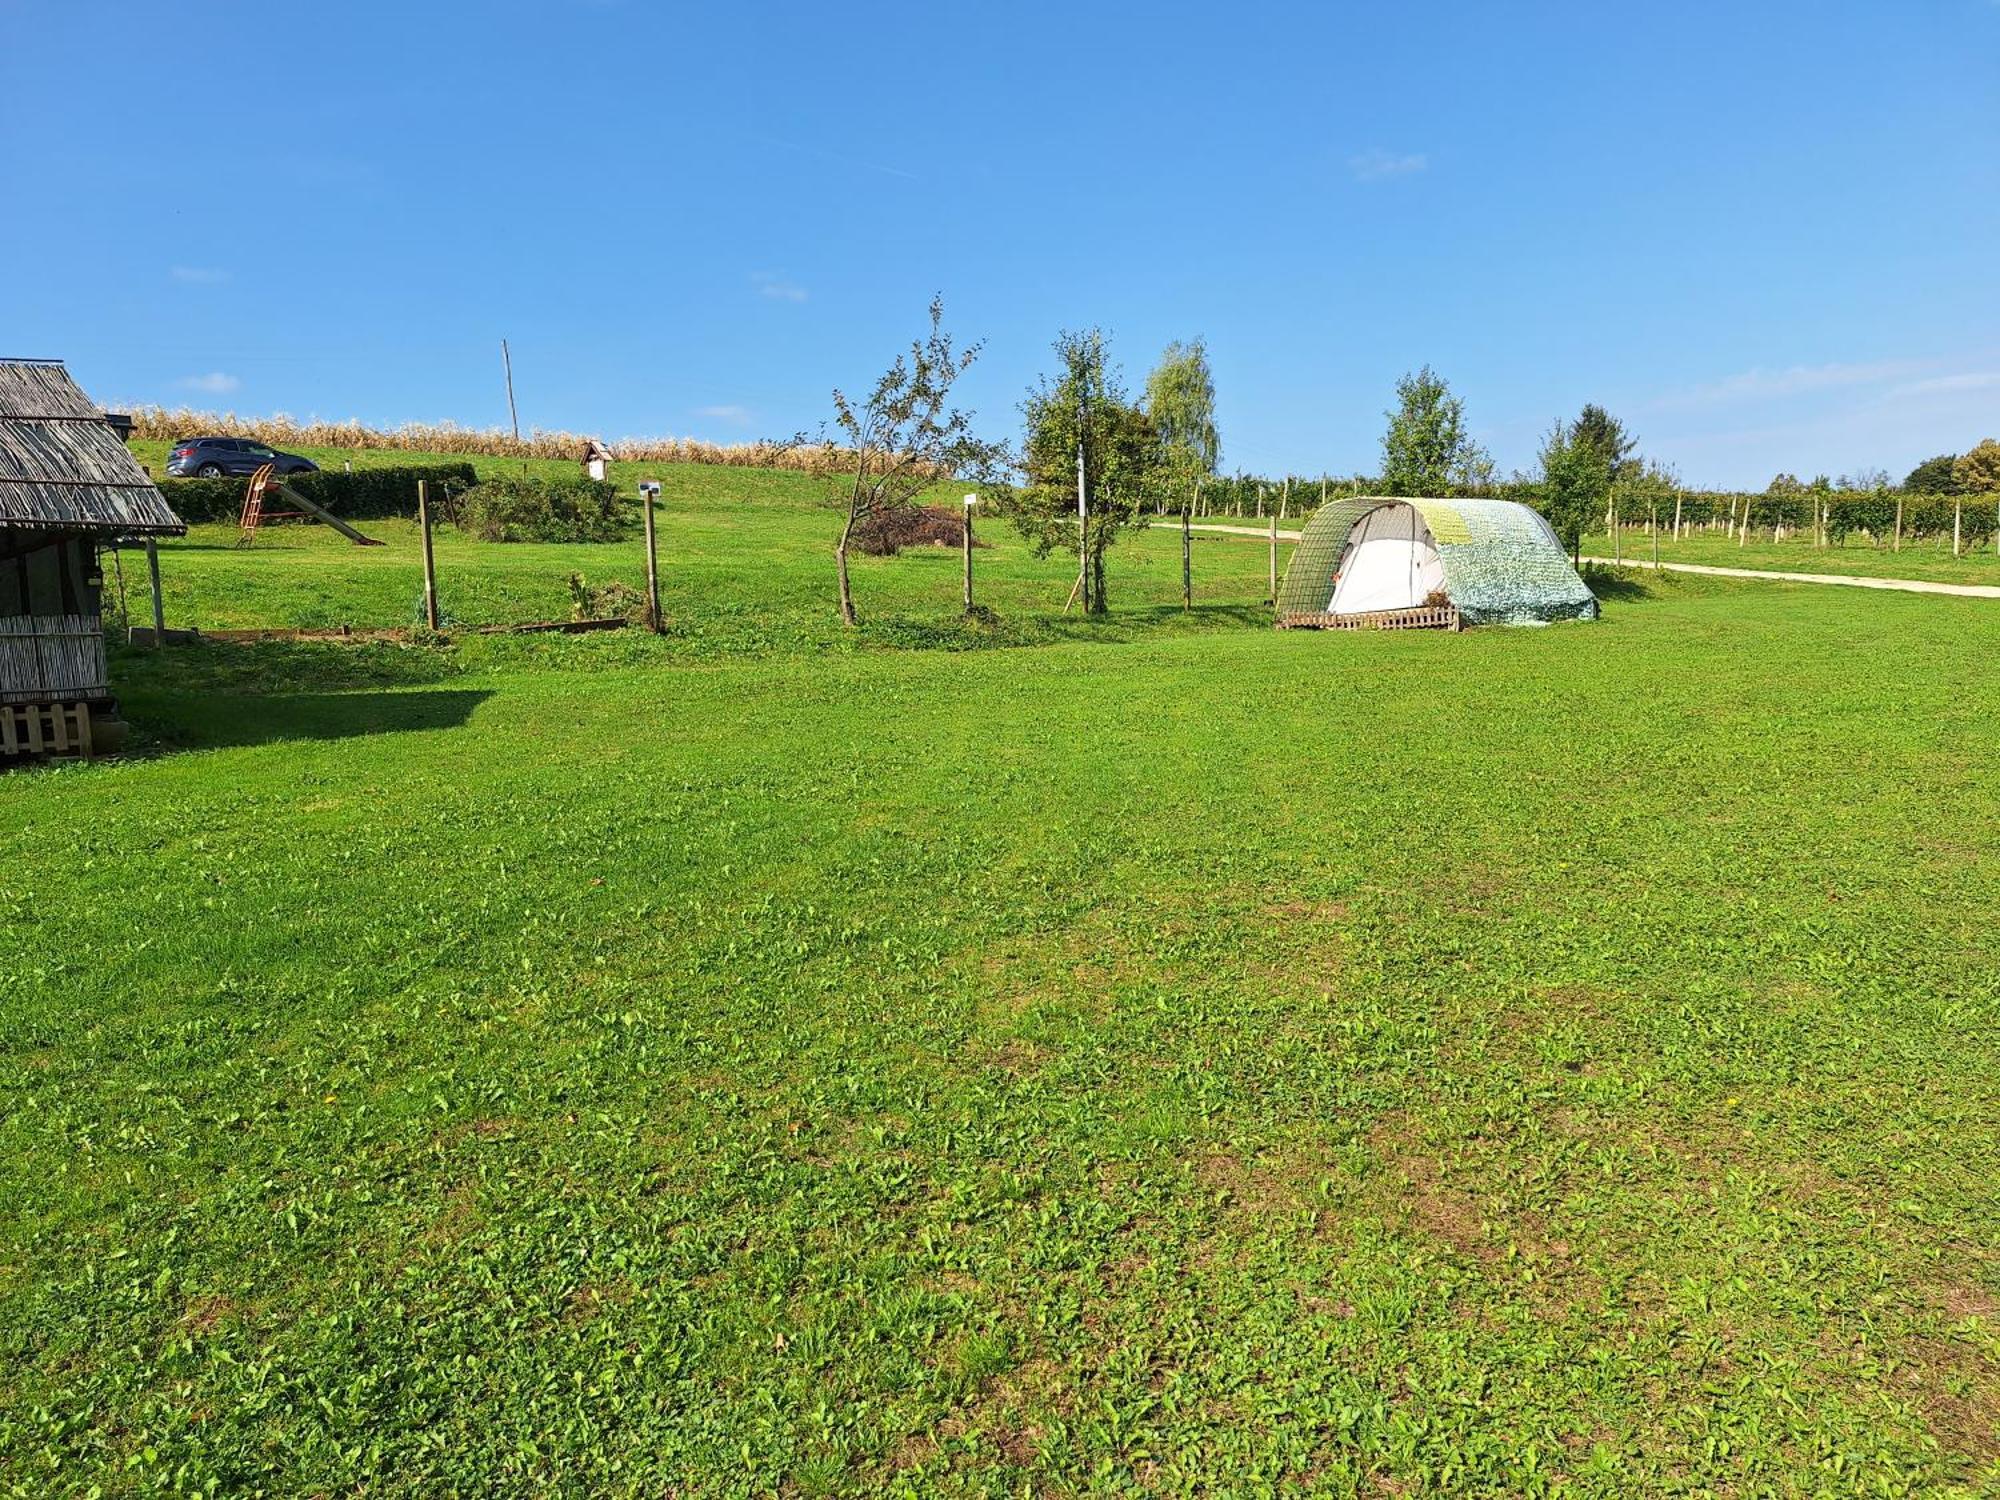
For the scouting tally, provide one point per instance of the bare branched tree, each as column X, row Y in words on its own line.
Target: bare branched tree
column 903, row 439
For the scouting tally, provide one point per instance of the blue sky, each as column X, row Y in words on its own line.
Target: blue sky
column 1762, row 233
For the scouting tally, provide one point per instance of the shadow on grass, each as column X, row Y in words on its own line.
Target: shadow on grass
column 162, row 724
column 277, row 667
column 1622, row 585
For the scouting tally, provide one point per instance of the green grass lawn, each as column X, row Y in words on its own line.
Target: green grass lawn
column 1171, row 1057
column 746, row 565
column 1930, row 560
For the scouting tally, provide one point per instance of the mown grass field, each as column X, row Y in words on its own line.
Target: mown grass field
column 1929, row 560
column 1168, row 1057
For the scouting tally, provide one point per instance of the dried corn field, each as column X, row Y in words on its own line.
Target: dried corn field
column 282, row 431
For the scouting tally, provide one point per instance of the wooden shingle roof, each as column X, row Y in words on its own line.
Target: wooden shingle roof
column 62, row 468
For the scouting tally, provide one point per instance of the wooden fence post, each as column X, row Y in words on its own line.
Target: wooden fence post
column 159, row 605
column 1187, row 566
column 430, row 563
column 1273, row 600
column 653, row 621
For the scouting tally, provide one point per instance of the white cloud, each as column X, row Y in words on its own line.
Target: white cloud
column 1379, row 166
column 736, row 416
column 776, row 287
column 199, row 275
column 1796, row 380
column 1832, row 419
column 1943, row 385
column 215, row 383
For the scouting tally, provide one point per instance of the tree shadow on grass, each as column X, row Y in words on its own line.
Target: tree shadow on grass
column 213, row 721
column 1621, row 585
column 207, row 694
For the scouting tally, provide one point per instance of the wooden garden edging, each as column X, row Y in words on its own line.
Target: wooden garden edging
column 1426, row 617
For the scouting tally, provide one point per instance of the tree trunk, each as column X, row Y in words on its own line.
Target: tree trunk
column 840, row 564
column 1097, row 604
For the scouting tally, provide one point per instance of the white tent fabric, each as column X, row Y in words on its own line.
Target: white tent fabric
column 1390, row 562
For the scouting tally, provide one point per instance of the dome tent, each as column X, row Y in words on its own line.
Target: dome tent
column 1473, row 562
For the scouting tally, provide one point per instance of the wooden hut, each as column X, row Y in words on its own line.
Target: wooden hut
column 67, row 488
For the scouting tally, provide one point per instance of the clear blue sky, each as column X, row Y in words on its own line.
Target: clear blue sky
column 1762, row 233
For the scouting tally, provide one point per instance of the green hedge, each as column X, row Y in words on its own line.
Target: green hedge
column 365, row 495
column 530, row 509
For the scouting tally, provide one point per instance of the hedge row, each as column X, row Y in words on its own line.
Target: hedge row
column 365, row 495
column 532, row 509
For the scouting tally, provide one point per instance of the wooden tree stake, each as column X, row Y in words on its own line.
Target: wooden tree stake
column 430, row 563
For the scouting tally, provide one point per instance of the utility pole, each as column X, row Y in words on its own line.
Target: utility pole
column 513, row 416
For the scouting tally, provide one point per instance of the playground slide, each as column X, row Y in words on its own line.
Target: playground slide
column 324, row 514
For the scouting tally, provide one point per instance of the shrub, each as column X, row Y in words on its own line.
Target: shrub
column 529, row 509
column 888, row 532
column 366, row 495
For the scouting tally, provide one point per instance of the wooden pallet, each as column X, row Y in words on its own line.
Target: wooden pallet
column 44, row 729
column 1425, row 617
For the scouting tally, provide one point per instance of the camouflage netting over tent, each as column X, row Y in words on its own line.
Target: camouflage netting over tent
column 1497, row 561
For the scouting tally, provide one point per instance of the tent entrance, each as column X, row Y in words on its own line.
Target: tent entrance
column 1390, row 562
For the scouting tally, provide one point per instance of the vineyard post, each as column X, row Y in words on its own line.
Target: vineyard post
column 1677, row 515
column 1957, row 522
column 1617, row 532
column 1743, row 536
column 1897, row 544
column 1653, row 525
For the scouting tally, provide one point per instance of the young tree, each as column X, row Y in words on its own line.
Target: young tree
column 1121, row 454
column 1573, row 486
column 1180, row 400
column 903, row 438
column 1604, row 435
column 1426, row 450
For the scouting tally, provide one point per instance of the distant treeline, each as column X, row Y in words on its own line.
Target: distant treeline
column 1844, row 513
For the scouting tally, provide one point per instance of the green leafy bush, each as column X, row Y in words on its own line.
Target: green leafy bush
column 530, row 509
column 365, row 495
